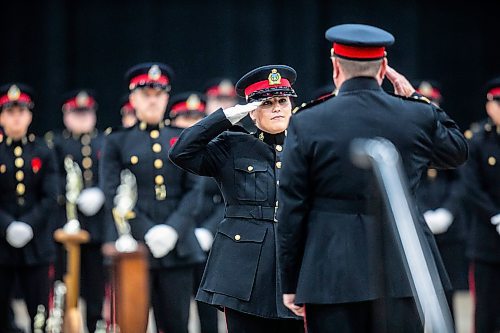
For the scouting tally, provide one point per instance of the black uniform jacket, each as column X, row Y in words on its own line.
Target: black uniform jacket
column 482, row 183
column 85, row 150
column 165, row 192
column 241, row 271
column 328, row 241
column 28, row 193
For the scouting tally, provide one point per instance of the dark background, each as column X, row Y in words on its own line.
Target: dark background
column 60, row 45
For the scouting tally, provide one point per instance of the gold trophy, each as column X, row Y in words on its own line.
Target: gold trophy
column 129, row 263
column 72, row 236
column 56, row 315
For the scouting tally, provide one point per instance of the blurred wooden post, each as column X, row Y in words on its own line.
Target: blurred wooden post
column 72, row 243
column 130, row 287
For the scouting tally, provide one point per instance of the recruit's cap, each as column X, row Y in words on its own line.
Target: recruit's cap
column 188, row 103
column 16, row 94
column 359, row 42
column 267, row 81
column 149, row 74
column 220, row 87
column 125, row 106
column 429, row 88
column 493, row 89
column 79, row 100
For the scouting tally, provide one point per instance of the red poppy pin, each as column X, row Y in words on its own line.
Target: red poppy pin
column 36, row 164
column 173, row 140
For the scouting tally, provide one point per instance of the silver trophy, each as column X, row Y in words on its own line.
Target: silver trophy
column 124, row 203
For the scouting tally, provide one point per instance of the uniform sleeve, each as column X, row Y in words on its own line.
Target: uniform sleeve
column 41, row 214
column 293, row 207
column 450, row 147
column 109, row 179
column 473, row 183
column 198, row 150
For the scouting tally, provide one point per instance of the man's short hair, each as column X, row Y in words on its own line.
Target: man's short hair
column 354, row 68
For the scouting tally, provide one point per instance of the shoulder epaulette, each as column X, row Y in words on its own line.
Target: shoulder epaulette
column 413, row 98
column 312, row 103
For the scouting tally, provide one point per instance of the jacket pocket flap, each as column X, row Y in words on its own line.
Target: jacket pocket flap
column 249, row 165
column 242, row 231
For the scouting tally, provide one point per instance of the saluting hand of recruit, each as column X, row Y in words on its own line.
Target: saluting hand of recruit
column 238, row 112
column 402, row 86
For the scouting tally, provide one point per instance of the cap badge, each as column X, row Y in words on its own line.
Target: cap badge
column 13, row 93
column 425, row 88
column 226, row 87
column 193, row 102
column 274, row 78
column 154, row 72
column 82, row 99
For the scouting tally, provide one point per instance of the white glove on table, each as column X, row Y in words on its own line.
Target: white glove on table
column 438, row 220
column 205, row 238
column 495, row 220
column 18, row 234
column 161, row 239
column 238, row 112
column 90, row 201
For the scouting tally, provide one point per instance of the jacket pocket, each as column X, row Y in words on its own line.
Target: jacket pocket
column 251, row 179
column 234, row 259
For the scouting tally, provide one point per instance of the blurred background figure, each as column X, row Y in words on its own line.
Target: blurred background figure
column 81, row 142
column 164, row 218
column 186, row 110
column 28, row 193
column 481, row 176
column 439, row 199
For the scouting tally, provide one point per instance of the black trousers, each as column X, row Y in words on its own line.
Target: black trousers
column 35, row 284
column 392, row 315
column 206, row 312
column 171, row 290
column 239, row 322
column 93, row 279
column 487, row 294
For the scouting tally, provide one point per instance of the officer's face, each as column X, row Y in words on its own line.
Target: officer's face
column 214, row 103
column 15, row 120
column 79, row 122
column 149, row 104
column 273, row 115
column 493, row 110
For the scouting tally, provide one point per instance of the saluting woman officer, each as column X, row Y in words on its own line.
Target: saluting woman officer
column 241, row 273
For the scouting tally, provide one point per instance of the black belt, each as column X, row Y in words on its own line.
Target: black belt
column 348, row 206
column 251, row 212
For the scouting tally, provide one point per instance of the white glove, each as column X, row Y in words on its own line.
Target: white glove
column 438, row 220
column 205, row 238
column 238, row 112
column 18, row 234
column 495, row 220
column 90, row 201
column 161, row 239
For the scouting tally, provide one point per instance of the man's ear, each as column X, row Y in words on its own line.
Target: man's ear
column 336, row 67
column 383, row 69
